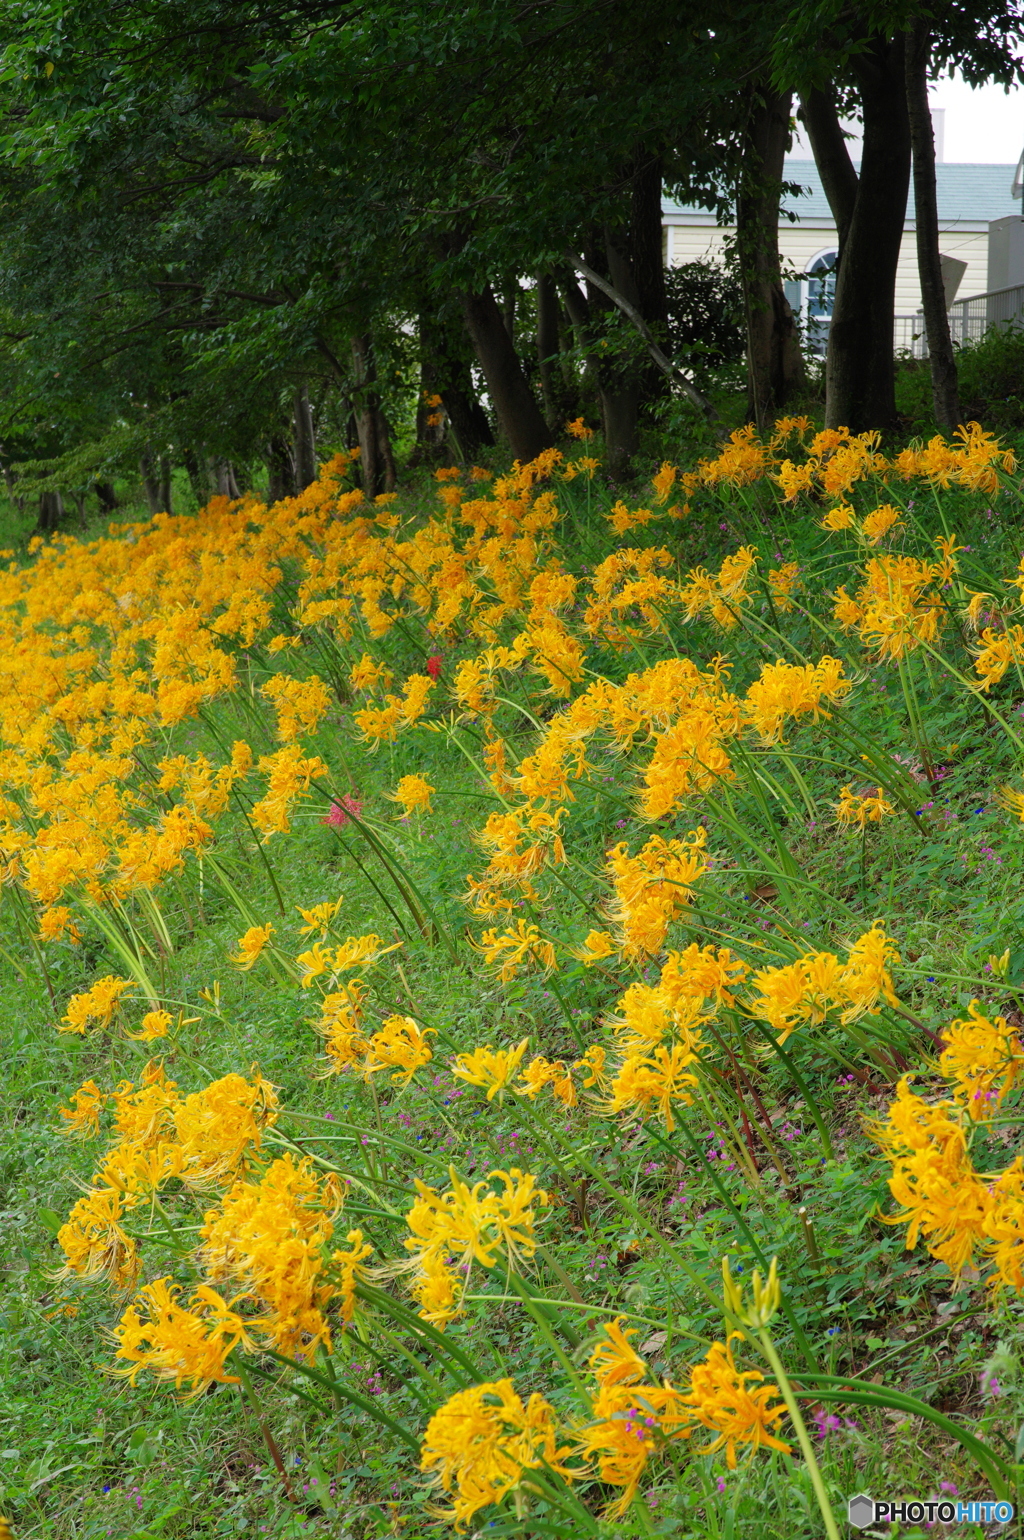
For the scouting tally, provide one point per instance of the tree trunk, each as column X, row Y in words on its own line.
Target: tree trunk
column 149, row 470
column 509, row 389
column 647, row 265
column 566, row 344
column 51, row 512
column 78, row 498
column 578, row 311
column 832, row 158
column 618, row 378
column 774, row 361
column 859, row 372
column 620, row 410
column 280, row 469
column 646, row 254
column 509, row 297
column 224, row 481
column 375, row 457
column 552, row 381
column 445, row 372
column 630, row 256
column 305, row 440
column 431, row 411
column 581, row 390
column 945, row 386
column 165, row 484
column 198, row 478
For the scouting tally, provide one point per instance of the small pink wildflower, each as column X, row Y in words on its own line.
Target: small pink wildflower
column 338, row 817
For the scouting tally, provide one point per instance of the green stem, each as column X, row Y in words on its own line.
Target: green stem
column 803, row 1438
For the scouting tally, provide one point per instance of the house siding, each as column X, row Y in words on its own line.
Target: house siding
column 969, row 197
column 800, row 244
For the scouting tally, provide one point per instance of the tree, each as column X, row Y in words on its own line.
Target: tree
column 870, row 209
column 945, row 394
column 876, row 59
column 545, row 121
column 774, row 360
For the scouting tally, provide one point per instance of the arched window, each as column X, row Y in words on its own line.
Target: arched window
column 818, row 298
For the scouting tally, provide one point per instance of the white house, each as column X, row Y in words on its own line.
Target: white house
column 971, row 198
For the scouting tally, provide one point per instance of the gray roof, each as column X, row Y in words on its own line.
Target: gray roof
column 967, row 194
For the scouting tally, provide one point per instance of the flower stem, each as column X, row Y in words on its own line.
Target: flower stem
column 803, row 1437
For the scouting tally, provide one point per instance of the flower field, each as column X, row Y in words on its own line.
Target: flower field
column 513, row 1002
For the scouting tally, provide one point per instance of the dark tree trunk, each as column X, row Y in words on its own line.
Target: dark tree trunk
column 375, row 457
column 224, row 481
column 566, row 344
column 445, row 372
column 509, row 389
column 78, row 498
column 305, row 440
column 620, row 411
column 51, row 512
column 618, row 379
column 165, row 484
column 630, row 257
column 585, row 391
column 578, row 312
column 774, row 361
column 468, row 422
column 106, row 495
column 942, row 359
column 280, row 469
column 149, row 469
column 552, row 380
column 832, row 158
column 647, row 265
column 431, row 411
column 859, row 370
column 647, row 257
column 509, row 298
column 198, row 478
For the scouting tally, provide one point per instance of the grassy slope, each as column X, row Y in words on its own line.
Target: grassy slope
column 83, row 1455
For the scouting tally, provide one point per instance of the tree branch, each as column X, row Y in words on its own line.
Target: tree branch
column 832, row 156
column 631, row 313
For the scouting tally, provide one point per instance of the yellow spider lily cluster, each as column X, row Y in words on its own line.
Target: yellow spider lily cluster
column 266, row 1243
column 453, row 1229
column 861, row 808
column 484, row 1442
column 162, row 1136
column 966, row 1217
column 803, row 993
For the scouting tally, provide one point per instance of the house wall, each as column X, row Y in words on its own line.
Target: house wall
column 800, row 244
